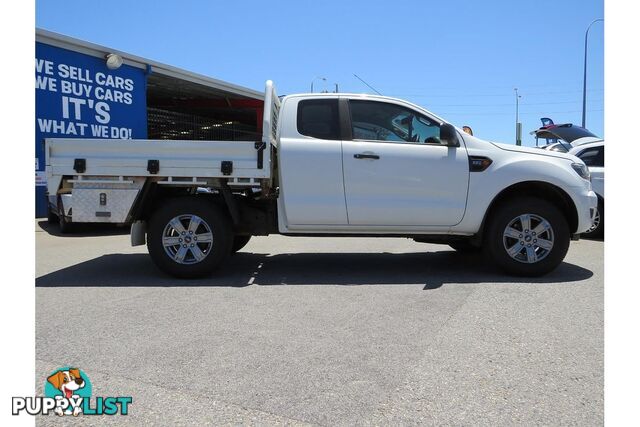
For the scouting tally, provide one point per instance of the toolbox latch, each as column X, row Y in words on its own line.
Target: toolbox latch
column 226, row 167
column 260, row 146
column 79, row 165
column 153, row 166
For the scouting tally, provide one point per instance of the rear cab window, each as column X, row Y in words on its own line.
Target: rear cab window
column 318, row 118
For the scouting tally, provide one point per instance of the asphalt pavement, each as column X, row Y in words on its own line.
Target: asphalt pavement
column 322, row 331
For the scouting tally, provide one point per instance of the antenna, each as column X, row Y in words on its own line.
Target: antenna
column 368, row 85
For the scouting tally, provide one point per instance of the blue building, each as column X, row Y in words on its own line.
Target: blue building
column 85, row 90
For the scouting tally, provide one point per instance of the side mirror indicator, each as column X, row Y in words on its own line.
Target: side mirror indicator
column 479, row 163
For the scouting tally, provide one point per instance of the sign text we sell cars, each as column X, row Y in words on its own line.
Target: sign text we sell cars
column 85, row 99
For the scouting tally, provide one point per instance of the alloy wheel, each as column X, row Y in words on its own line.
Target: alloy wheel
column 187, row 239
column 528, row 238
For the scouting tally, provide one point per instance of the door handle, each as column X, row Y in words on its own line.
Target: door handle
column 366, row 156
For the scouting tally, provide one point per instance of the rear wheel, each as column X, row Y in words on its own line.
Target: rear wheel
column 52, row 218
column 527, row 237
column 189, row 237
column 239, row 242
column 64, row 225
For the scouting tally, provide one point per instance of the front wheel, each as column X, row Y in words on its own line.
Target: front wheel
column 597, row 229
column 189, row 237
column 527, row 237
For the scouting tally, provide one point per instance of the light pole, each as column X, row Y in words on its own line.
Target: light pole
column 317, row 78
column 584, row 78
column 518, row 124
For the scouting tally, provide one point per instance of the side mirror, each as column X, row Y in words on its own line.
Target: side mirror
column 449, row 135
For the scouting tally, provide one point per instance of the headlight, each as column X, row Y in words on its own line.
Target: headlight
column 582, row 170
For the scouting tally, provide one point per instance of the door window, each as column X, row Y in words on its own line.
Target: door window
column 381, row 121
column 593, row 156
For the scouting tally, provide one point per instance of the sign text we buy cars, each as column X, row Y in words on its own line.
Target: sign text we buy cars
column 77, row 96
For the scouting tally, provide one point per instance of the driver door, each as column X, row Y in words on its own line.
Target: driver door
column 396, row 170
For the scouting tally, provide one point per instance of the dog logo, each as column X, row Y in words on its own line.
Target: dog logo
column 68, row 391
column 70, row 385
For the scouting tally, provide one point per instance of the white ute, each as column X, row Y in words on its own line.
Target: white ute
column 328, row 165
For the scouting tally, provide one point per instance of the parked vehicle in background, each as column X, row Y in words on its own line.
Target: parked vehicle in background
column 563, row 137
column 560, row 146
column 592, row 154
column 328, row 165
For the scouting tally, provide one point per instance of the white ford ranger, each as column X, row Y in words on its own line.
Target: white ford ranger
column 328, row 165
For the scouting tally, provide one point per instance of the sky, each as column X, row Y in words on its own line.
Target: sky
column 458, row 59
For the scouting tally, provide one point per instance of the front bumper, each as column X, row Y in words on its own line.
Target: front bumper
column 586, row 202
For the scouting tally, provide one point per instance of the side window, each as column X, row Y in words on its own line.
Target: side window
column 318, row 118
column 593, row 156
column 380, row 121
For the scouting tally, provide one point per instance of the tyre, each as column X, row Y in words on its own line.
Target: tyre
column 597, row 229
column 64, row 225
column 239, row 242
column 189, row 237
column 465, row 247
column 52, row 218
column 527, row 237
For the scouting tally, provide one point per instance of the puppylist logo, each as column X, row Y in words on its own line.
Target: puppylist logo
column 67, row 391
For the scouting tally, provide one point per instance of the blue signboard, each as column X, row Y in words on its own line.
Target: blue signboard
column 77, row 96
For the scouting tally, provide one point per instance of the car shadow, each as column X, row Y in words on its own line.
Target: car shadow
column 86, row 229
column 429, row 270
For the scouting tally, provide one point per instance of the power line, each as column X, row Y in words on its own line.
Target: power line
column 509, row 113
column 506, row 88
column 423, row 95
column 511, row 104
